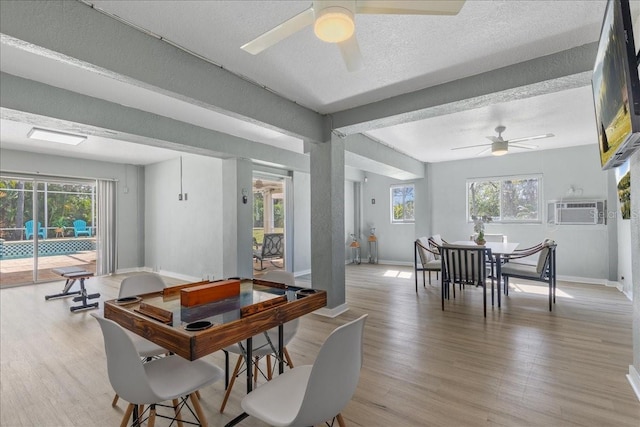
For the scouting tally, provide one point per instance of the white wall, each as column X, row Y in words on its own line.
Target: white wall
column 301, row 223
column 184, row 238
column 349, row 219
column 129, row 208
column 395, row 241
column 583, row 251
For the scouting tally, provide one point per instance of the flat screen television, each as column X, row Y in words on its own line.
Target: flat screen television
column 616, row 88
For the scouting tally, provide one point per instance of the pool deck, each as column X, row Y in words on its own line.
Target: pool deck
column 20, row 270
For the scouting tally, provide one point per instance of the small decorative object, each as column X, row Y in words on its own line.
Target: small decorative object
column 373, row 247
column 478, row 227
column 355, row 249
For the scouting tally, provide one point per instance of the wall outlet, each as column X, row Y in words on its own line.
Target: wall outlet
column 185, row 196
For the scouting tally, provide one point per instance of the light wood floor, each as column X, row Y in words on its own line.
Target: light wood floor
column 521, row 366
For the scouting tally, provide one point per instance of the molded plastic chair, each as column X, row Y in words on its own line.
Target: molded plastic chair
column 311, row 394
column 138, row 285
column 169, row 378
column 262, row 347
column 427, row 257
column 80, row 227
column 543, row 271
column 28, row 230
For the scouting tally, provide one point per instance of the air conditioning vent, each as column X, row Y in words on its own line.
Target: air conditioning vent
column 577, row 212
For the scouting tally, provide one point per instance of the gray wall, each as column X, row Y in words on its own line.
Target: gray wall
column 184, row 238
column 130, row 209
column 301, row 223
column 395, row 241
column 583, row 251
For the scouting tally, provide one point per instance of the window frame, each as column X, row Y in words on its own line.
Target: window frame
column 391, row 205
column 501, row 179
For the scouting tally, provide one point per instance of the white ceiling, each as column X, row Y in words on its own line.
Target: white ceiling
column 401, row 54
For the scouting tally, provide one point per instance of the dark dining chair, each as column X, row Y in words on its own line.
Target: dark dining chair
column 543, row 271
column 424, row 259
column 466, row 265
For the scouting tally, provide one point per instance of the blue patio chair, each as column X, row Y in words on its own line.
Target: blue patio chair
column 80, row 227
column 28, row 230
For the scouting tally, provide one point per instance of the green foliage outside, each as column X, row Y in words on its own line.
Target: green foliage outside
column 65, row 203
column 624, row 194
column 506, row 200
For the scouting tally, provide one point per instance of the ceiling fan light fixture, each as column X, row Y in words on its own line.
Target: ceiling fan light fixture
column 499, row 148
column 334, row 24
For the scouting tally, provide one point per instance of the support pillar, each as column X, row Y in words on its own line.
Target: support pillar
column 327, row 223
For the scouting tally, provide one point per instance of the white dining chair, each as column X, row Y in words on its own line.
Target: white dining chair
column 261, row 346
column 170, row 378
column 133, row 286
column 311, row 394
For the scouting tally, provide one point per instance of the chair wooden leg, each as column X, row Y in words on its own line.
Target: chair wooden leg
column 340, row 420
column 127, row 415
column 269, row 370
column 198, row 394
column 152, row 416
column 198, row 409
column 231, row 381
column 287, row 357
column 114, row 402
column 176, row 410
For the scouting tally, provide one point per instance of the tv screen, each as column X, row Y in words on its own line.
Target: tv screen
column 616, row 89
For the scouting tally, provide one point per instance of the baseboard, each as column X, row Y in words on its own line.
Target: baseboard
column 302, row 273
column 634, row 380
column 133, row 270
column 179, row 276
column 391, row 262
column 332, row 312
column 587, row 280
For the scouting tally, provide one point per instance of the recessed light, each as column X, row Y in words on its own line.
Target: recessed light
column 55, row 136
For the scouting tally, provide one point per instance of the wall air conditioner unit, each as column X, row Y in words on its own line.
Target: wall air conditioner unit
column 577, row 212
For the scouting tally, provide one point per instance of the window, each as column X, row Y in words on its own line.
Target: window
column 402, row 204
column 505, row 199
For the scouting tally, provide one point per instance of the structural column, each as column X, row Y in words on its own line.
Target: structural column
column 327, row 222
column 237, row 248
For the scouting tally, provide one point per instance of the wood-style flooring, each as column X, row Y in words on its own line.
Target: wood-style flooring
column 521, row 366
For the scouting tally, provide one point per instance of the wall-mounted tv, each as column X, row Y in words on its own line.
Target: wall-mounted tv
column 616, row 88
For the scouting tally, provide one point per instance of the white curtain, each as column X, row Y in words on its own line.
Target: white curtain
column 106, row 232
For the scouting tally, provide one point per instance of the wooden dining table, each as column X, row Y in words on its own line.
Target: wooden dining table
column 259, row 306
column 498, row 251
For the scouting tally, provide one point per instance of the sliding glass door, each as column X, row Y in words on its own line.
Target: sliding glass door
column 45, row 224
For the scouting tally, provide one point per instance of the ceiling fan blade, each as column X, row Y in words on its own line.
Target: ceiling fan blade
column 281, row 32
column 470, row 146
column 530, row 138
column 350, row 51
column 493, row 138
column 483, row 151
column 525, row 146
column 409, row 7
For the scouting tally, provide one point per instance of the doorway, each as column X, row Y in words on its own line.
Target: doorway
column 45, row 224
column 269, row 219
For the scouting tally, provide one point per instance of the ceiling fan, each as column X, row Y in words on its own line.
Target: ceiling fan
column 500, row 146
column 333, row 22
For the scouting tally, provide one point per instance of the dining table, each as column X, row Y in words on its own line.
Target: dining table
column 499, row 250
column 197, row 330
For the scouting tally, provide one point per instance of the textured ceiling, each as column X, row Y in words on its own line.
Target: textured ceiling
column 401, row 54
